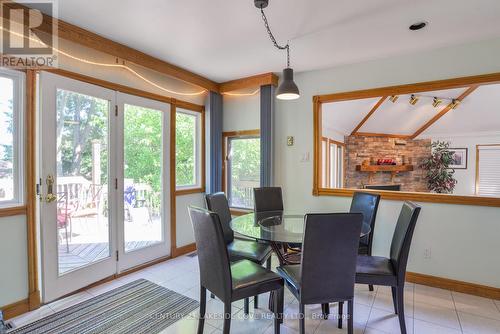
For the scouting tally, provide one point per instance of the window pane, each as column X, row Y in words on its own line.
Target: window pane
column 142, row 184
column 185, row 149
column 82, row 180
column 6, row 139
column 244, row 171
column 488, row 167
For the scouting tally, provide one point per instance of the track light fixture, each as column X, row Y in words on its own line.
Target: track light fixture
column 455, row 103
column 413, row 99
column 288, row 90
column 436, row 102
column 394, row 98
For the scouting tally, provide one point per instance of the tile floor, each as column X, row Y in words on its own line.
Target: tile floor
column 428, row 310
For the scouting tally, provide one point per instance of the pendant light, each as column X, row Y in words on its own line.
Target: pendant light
column 287, row 90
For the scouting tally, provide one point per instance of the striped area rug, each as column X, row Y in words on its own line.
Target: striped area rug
column 137, row 307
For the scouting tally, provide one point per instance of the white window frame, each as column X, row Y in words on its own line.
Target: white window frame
column 18, row 142
column 484, row 148
column 332, row 160
column 198, row 150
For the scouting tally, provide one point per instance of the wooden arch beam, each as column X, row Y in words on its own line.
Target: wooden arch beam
column 363, row 121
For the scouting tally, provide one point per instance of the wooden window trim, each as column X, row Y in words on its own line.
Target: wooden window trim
column 201, row 187
column 13, row 211
column 174, row 192
column 318, row 100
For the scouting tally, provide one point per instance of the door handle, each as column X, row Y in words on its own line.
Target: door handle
column 51, row 197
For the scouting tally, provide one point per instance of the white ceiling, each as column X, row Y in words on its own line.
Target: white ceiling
column 345, row 115
column 225, row 39
column 478, row 113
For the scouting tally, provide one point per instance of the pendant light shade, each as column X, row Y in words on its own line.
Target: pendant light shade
column 288, row 90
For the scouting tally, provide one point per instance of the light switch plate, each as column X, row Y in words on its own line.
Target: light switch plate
column 289, row 140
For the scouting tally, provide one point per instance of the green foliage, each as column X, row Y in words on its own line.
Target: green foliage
column 143, row 145
column 245, row 170
column 80, row 120
column 439, row 176
column 8, row 149
column 185, row 149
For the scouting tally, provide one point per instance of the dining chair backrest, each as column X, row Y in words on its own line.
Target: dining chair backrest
column 213, row 259
column 367, row 204
column 268, row 199
column 401, row 240
column 218, row 203
column 329, row 253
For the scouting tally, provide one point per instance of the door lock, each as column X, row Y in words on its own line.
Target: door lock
column 51, row 197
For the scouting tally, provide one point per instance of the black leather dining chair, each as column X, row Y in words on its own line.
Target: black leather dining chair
column 391, row 271
column 367, row 204
column 268, row 199
column 238, row 249
column 271, row 199
column 228, row 281
column 327, row 270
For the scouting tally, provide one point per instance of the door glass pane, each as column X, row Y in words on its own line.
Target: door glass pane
column 143, row 174
column 6, row 139
column 82, row 180
column 244, row 171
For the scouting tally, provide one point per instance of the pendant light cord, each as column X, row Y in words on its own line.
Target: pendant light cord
column 271, row 36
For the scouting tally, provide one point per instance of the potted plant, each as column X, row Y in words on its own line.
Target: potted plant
column 439, row 176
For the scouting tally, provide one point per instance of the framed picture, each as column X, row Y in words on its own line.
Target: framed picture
column 459, row 158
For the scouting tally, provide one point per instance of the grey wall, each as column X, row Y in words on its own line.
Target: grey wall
column 241, row 112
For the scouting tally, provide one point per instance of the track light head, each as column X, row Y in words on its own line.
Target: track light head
column 394, row 98
column 413, row 99
column 436, row 102
column 455, row 103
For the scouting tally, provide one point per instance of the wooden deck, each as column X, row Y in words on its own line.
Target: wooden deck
column 80, row 255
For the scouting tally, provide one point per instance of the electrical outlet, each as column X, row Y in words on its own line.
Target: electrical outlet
column 304, row 157
column 427, row 254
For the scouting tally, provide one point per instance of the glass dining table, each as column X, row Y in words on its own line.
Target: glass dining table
column 281, row 229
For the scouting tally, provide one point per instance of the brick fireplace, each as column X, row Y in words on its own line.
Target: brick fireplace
column 365, row 150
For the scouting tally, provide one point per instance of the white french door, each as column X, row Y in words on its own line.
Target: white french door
column 105, row 188
column 143, row 180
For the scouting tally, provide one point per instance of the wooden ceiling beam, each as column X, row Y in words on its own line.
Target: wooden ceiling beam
column 94, row 41
column 249, row 82
column 443, row 112
column 363, row 121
